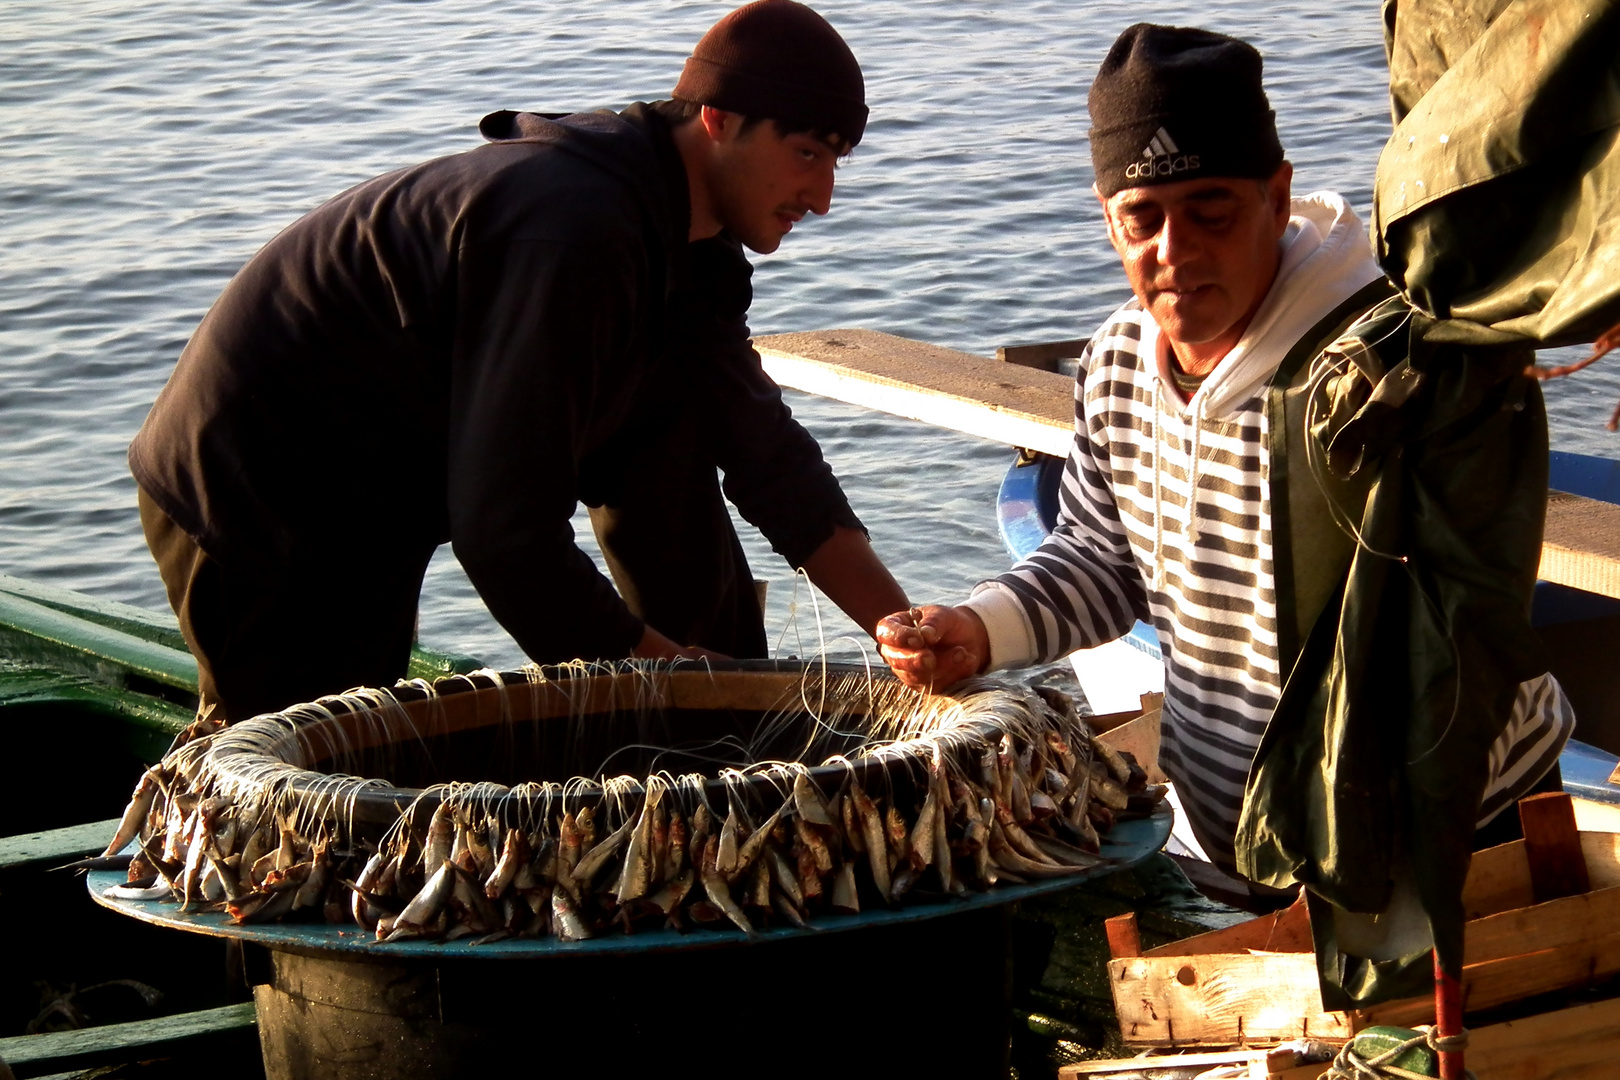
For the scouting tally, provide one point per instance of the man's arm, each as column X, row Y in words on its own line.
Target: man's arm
column 774, row 471
column 847, row 569
column 545, row 351
column 1080, row 588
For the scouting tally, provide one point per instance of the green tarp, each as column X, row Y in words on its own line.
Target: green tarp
column 1497, row 215
column 1497, row 202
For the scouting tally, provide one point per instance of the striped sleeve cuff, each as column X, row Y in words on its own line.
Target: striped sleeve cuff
column 1012, row 645
column 1541, row 723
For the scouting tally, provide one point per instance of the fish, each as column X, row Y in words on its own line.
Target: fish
column 808, row 802
column 441, row 836
column 417, row 919
column 565, row 918
column 877, row 850
column 140, row 804
column 719, row 893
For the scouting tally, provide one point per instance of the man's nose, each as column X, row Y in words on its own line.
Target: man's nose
column 818, row 193
column 1178, row 242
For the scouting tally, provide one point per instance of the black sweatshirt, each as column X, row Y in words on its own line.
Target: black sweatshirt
column 453, row 352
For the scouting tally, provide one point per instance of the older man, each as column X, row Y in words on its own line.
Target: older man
column 464, row 350
column 1181, row 503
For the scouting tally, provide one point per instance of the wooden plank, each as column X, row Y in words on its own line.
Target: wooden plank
column 1140, row 737
column 1006, row 403
column 1497, row 982
column 1586, row 1039
column 1103, row 723
column 43, row 850
column 1292, row 930
column 32, row 1055
column 1261, row 1062
column 1288, row 930
column 1581, row 545
column 1552, row 845
column 1596, row 817
column 1498, row 880
column 1602, row 851
column 1221, row 1000
column 1032, row 408
column 160, row 663
column 1302, row 1072
column 1044, row 356
column 1499, row 877
column 1124, row 936
column 1551, row 925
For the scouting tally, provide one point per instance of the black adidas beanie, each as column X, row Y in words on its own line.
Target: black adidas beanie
column 1171, row 103
column 779, row 60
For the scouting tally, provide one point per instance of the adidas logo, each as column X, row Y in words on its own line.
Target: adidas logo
column 1161, row 157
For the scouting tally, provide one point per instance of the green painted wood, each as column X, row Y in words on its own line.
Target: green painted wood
column 430, row 664
column 32, row 1055
column 48, row 626
column 43, row 850
column 157, row 626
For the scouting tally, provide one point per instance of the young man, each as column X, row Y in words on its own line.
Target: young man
column 1168, row 498
column 463, row 350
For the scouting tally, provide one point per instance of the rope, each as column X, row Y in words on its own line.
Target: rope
column 1351, row 1065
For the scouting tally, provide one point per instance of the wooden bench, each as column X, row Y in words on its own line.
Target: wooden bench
column 228, row 1032
column 54, row 847
column 1021, row 404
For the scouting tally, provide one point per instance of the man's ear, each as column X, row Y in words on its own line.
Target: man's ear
column 1280, row 190
column 717, row 123
column 1108, row 219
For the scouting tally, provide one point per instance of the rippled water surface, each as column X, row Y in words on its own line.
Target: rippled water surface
column 148, row 149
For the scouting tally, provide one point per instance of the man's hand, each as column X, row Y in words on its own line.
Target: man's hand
column 933, row 646
column 655, row 646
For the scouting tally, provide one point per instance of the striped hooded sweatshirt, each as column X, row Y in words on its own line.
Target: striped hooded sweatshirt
column 1165, row 515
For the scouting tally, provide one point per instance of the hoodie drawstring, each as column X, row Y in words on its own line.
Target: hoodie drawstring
column 1192, row 479
column 1158, row 487
column 1195, row 448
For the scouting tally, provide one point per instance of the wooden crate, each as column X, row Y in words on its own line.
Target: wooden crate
column 1544, row 915
column 1578, row 1043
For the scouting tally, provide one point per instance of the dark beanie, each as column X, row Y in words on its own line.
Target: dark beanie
column 1171, row 103
column 781, row 61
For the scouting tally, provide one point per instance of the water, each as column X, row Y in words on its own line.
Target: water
column 148, row 149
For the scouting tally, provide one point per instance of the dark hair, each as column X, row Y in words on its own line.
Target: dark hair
column 678, row 111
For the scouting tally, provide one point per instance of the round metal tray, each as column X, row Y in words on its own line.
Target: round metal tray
column 1127, row 844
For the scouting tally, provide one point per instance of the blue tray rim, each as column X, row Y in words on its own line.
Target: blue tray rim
column 1129, row 843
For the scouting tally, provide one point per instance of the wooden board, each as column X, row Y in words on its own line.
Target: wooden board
column 52, row 848
column 1140, row 737
column 1006, row 403
column 1581, row 547
column 1031, row 408
column 1497, row 982
column 31, row 1055
column 1288, row 930
column 1579, row 1043
column 1552, row 846
column 1552, row 925
column 1221, row 1000
column 1149, row 704
column 1596, row 817
column 1499, row 877
column 1261, row 1063
column 1261, row 969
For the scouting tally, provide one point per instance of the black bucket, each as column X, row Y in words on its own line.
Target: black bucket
column 926, row 999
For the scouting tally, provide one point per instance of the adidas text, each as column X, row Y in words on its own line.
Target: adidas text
column 1161, row 166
